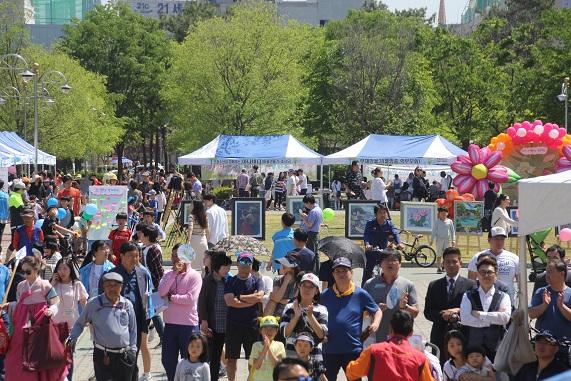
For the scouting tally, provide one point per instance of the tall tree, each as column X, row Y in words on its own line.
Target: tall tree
column 471, row 89
column 236, row 75
column 370, row 77
column 178, row 24
column 132, row 52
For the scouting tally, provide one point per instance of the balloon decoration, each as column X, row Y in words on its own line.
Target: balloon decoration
column 52, row 202
column 12, row 170
column 548, row 134
column 90, row 209
column 565, row 234
column 328, row 214
column 477, row 169
column 40, row 223
column 61, row 213
column 564, row 163
column 86, row 216
column 451, row 196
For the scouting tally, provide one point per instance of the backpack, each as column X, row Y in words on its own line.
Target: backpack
column 175, row 183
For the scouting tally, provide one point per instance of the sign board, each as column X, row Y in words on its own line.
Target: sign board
column 110, row 201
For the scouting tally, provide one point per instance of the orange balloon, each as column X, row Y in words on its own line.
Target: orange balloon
column 468, row 197
column 451, row 194
column 492, row 147
column 494, row 140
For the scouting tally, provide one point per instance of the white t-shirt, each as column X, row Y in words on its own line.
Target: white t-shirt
column 378, row 190
column 303, row 179
column 218, row 223
column 508, row 268
column 291, row 183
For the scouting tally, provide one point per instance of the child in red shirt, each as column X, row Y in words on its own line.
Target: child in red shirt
column 119, row 236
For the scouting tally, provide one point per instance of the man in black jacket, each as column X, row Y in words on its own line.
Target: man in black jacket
column 546, row 365
column 212, row 311
column 443, row 298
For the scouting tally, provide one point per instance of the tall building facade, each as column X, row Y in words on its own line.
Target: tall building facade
column 58, row 12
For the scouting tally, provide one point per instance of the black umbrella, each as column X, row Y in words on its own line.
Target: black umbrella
column 335, row 247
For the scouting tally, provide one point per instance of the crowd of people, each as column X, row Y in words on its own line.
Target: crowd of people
column 309, row 320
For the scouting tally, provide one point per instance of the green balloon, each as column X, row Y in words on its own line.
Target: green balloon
column 87, row 216
column 328, row 214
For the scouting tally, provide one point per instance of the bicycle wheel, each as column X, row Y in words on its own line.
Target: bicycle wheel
column 425, row 256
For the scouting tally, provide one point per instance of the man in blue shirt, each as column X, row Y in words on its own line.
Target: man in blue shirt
column 345, row 306
column 311, row 223
column 377, row 233
column 283, row 242
column 551, row 305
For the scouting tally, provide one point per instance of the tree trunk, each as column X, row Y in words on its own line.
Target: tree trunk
column 166, row 157
column 157, row 149
column 151, row 149
column 120, row 148
column 144, row 150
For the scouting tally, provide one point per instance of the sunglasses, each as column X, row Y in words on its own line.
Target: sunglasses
column 245, row 263
column 27, row 272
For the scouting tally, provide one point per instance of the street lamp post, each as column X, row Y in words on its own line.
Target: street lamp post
column 38, row 94
column 564, row 97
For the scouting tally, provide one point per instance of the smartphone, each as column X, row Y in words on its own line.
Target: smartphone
column 300, row 211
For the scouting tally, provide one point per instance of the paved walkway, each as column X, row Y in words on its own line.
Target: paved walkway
column 421, row 278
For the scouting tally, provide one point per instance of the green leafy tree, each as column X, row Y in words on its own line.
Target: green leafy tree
column 370, row 77
column 132, row 52
column 471, row 89
column 178, row 24
column 236, row 75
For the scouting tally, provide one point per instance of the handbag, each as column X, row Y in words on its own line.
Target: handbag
column 515, row 349
column 4, row 338
column 44, row 345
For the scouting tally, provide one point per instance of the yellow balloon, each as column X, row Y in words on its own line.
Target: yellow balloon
column 479, row 171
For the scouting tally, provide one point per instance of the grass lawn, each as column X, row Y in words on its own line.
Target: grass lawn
column 469, row 245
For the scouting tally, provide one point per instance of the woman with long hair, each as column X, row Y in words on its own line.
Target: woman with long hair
column 279, row 188
column 198, row 233
column 36, row 297
column 500, row 215
column 71, row 293
column 305, row 315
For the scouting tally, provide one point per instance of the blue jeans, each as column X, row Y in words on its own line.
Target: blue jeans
column 175, row 342
column 159, row 325
column 372, row 257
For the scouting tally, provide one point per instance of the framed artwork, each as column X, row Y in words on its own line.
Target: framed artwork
column 356, row 216
column 468, row 217
column 249, row 217
column 295, row 203
column 512, row 212
column 185, row 210
column 417, row 217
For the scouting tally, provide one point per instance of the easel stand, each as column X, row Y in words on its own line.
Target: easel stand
column 472, row 242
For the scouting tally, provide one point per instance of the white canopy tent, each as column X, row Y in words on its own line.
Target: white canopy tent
column 542, row 204
column 233, row 149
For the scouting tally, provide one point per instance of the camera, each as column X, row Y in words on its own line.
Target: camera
column 454, row 318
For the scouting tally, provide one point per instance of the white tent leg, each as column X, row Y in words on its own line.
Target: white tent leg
column 522, row 286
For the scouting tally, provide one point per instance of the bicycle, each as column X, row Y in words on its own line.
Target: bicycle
column 423, row 255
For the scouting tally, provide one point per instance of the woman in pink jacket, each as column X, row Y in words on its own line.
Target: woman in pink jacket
column 181, row 287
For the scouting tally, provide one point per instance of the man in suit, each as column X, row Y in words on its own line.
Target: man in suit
column 554, row 252
column 443, row 298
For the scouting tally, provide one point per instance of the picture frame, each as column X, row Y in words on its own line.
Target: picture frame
column 249, row 217
column 468, row 217
column 185, row 212
column 357, row 214
column 512, row 213
column 295, row 203
column 418, row 217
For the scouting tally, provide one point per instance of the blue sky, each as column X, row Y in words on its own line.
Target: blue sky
column 454, row 8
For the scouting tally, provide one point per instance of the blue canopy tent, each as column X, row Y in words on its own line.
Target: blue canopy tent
column 24, row 150
column 398, row 150
column 233, row 149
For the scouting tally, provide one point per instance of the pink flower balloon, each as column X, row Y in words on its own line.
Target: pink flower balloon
column 564, row 163
column 475, row 180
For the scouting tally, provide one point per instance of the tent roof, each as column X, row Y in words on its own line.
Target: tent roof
column 542, row 202
column 233, row 149
column 20, row 151
column 398, row 150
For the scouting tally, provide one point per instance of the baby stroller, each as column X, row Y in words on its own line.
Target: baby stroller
column 536, row 252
